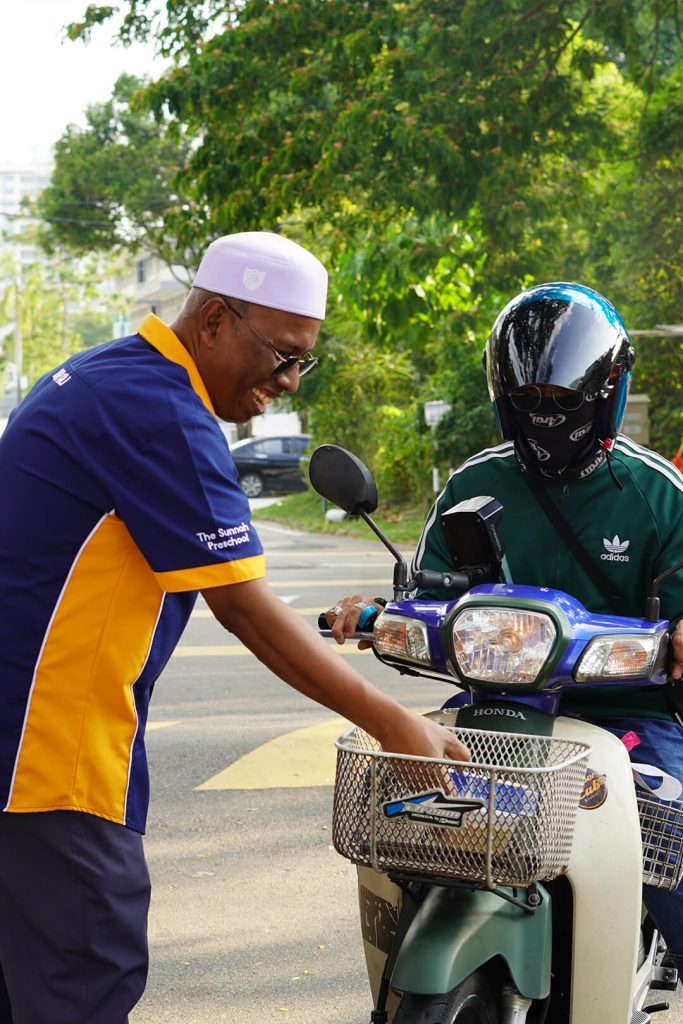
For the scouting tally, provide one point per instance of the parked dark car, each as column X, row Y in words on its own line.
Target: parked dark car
column 269, row 464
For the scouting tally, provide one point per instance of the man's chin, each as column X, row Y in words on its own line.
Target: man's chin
column 232, row 414
column 230, row 417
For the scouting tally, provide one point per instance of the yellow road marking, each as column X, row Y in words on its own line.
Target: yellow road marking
column 239, row 650
column 299, row 584
column 304, row 757
column 307, row 611
column 378, row 555
column 204, row 613
column 160, row 725
column 341, row 564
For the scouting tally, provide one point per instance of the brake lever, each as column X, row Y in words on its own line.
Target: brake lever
column 360, row 634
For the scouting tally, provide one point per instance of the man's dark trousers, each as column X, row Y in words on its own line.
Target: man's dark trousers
column 74, row 897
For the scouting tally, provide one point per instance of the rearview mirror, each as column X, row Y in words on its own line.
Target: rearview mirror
column 343, row 479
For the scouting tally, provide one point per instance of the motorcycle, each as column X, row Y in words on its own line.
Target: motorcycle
column 508, row 888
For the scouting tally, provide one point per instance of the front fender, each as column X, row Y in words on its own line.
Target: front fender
column 454, row 932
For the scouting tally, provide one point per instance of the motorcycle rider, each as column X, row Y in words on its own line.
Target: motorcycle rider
column 558, row 364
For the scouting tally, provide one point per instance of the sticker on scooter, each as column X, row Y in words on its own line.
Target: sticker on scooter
column 594, row 791
column 433, row 808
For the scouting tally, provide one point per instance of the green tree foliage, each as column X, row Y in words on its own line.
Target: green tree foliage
column 369, row 109
column 60, row 308
column 438, row 156
column 42, row 312
column 181, row 25
column 111, row 185
column 636, row 248
column 408, row 327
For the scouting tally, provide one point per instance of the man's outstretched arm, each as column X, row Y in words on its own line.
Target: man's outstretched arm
column 288, row 646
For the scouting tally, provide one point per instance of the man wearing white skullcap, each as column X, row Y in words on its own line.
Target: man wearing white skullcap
column 261, row 267
column 122, row 445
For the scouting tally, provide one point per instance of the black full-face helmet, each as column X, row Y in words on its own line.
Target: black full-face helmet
column 566, row 335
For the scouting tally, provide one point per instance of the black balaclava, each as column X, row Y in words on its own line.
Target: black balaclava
column 558, row 444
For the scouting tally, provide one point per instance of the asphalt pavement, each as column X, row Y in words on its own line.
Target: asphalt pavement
column 253, row 916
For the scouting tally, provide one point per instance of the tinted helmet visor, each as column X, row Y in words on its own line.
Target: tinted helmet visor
column 560, row 334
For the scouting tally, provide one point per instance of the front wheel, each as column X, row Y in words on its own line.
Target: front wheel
column 252, row 484
column 471, row 1002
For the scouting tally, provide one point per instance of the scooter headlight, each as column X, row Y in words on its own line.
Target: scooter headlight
column 397, row 636
column 502, row 645
column 623, row 656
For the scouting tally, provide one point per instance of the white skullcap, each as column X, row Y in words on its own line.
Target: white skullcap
column 265, row 268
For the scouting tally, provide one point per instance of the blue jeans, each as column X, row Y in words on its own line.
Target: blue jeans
column 661, row 744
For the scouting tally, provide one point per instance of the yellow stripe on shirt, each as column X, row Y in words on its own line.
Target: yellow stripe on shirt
column 217, row 575
column 82, row 721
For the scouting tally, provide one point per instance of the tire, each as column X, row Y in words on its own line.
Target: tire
column 252, row 484
column 472, row 1002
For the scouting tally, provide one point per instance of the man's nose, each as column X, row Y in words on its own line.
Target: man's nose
column 289, row 380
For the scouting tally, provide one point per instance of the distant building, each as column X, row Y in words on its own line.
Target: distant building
column 19, row 182
column 152, row 286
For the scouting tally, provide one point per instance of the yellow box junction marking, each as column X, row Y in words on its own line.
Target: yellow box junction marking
column 205, row 613
column 383, row 581
column 239, row 650
column 302, row 758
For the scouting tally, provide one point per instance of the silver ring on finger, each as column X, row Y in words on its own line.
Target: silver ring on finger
column 336, row 610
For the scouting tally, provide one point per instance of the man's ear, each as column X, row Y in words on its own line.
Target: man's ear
column 210, row 316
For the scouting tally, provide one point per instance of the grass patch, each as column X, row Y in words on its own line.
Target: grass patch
column 306, row 511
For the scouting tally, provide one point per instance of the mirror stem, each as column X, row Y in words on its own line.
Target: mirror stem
column 652, row 605
column 385, row 540
column 400, row 569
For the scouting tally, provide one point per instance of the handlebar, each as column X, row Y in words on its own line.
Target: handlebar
column 428, row 579
column 424, row 579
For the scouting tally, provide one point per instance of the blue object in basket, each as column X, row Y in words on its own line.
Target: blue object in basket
column 509, row 797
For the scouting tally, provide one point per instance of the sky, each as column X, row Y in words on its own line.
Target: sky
column 45, row 83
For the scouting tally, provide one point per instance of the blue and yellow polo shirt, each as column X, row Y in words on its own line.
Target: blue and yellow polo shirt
column 118, row 501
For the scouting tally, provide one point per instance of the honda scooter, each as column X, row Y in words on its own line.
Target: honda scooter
column 505, row 889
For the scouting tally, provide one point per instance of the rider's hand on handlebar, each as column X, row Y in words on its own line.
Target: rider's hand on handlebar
column 343, row 617
column 677, row 648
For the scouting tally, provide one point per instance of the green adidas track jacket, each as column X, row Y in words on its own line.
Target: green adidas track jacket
column 633, row 535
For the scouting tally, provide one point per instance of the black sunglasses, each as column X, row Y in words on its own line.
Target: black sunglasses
column 529, row 398
column 286, row 363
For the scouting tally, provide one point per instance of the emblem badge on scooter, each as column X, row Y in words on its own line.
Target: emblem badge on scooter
column 432, row 808
column 594, row 791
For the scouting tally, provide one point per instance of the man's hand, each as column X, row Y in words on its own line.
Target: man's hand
column 343, row 617
column 421, row 737
column 677, row 649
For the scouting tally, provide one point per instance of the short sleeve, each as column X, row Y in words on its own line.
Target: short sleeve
column 179, row 498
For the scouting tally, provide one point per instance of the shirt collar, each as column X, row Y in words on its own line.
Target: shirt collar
column 156, row 332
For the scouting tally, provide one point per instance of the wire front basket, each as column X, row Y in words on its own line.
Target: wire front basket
column 661, row 826
column 504, row 818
